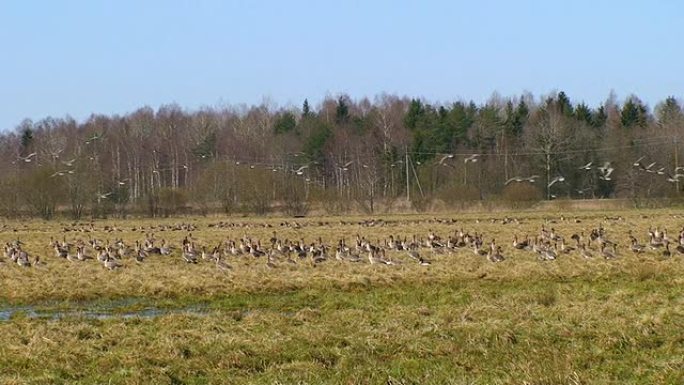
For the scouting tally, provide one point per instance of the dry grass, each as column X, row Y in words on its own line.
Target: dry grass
column 461, row 320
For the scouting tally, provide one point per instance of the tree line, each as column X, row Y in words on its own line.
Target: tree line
column 341, row 155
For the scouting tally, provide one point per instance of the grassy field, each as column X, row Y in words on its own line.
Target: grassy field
column 461, row 320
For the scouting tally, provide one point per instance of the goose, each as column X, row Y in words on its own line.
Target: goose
column 38, row 262
column 547, row 254
column 495, row 255
column 586, row 166
column 666, row 252
column 189, row 254
column 22, row 258
column 555, row 180
column 110, row 263
column 423, row 262
column 586, row 253
column 607, row 254
column 221, row 265
column 373, row 258
column 81, row 255
column 414, row 254
column 635, row 247
column 164, row 249
column 471, row 159
column 520, row 245
column 564, row 248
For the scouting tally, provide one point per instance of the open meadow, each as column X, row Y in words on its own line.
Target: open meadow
column 406, row 299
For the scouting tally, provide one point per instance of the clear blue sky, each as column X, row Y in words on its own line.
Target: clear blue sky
column 80, row 57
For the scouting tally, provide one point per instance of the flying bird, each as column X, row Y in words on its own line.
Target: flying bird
column 555, row 180
column 445, row 157
column 28, row 158
column 93, row 138
column 605, row 171
column 471, row 158
column 586, row 166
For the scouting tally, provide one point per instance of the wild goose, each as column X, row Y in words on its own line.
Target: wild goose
column 608, row 254
column 586, row 253
column 423, row 262
column 38, row 262
column 374, row 258
column 221, row 265
column 413, row 254
column 189, row 254
column 495, row 255
column 22, row 258
column 520, row 245
column 81, row 255
column 666, row 252
column 111, row 263
column 635, row 246
column 164, row 249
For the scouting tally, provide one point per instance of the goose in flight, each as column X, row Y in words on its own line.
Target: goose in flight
column 93, row 138
column 300, row 171
column 605, row 171
column 586, row 166
column 445, row 157
column 556, row 180
column 471, row 158
column 518, row 179
column 345, row 167
column 28, row 158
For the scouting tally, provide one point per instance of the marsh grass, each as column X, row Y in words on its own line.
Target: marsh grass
column 461, row 320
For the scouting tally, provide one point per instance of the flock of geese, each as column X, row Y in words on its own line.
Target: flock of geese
column 547, row 245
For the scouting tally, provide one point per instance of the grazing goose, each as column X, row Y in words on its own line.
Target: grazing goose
column 38, row 262
column 608, row 254
column 413, row 254
column 586, row 253
column 423, row 262
column 666, row 252
column 374, row 258
column 189, row 254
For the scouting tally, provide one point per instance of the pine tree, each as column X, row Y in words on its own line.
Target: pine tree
column 306, row 110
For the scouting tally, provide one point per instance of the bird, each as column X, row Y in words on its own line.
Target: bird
column 93, row 138
column 605, row 171
column 300, row 171
column 514, row 179
column 28, row 158
column 556, row 180
column 104, row 196
column 69, row 163
column 471, row 158
column 221, row 265
column 586, row 166
column 637, row 163
column 445, row 157
column 345, row 167
column 110, row 263
column 649, row 167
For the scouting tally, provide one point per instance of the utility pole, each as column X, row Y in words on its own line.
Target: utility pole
column 676, row 159
column 408, row 186
column 548, row 175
